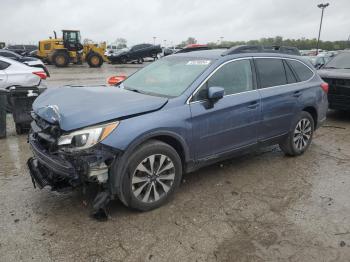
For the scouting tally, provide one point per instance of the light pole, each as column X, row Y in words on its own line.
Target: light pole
column 154, row 40
column 322, row 6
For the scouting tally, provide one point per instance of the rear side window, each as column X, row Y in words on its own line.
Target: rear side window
column 271, row 72
column 303, row 72
column 4, row 65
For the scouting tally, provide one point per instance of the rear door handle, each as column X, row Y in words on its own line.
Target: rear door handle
column 297, row 94
column 253, row 105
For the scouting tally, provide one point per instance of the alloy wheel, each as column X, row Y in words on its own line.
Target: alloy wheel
column 153, row 178
column 302, row 134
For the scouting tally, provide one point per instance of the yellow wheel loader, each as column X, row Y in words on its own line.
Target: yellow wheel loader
column 69, row 49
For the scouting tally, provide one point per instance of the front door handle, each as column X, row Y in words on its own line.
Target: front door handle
column 297, row 94
column 253, row 105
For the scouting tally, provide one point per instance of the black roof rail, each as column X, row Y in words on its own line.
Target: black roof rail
column 262, row 49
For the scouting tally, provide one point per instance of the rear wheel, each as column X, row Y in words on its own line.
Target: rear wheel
column 60, row 59
column 299, row 139
column 153, row 173
column 123, row 60
column 94, row 60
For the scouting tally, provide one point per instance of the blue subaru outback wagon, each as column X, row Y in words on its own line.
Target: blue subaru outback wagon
column 173, row 116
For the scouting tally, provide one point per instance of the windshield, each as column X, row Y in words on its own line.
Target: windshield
column 167, row 77
column 341, row 61
column 313, row 59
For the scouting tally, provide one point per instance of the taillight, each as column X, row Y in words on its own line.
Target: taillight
column 325, row 87
column 41, row 74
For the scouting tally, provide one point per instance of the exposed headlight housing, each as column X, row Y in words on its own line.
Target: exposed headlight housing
column 87, row 137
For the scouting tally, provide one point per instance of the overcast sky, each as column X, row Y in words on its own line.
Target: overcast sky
column 25, row 21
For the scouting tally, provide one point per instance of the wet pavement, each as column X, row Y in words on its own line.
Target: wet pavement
column 258, row 207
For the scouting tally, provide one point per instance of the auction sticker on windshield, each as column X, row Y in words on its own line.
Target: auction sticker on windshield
column 198, row 62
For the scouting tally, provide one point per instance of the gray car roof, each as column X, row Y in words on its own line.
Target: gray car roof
column 215, row 54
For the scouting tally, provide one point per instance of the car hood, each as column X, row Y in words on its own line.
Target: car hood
column 334, row 73
column 74, row 107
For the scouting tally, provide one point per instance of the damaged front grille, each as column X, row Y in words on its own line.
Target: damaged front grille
column 46, row 134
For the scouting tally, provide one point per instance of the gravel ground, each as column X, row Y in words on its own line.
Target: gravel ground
column 258, row 207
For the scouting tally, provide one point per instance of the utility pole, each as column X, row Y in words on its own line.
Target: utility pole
column 322, row 6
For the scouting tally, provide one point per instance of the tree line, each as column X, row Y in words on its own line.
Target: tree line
column 301, row 43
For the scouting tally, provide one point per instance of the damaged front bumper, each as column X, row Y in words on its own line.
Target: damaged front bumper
column 61, row 170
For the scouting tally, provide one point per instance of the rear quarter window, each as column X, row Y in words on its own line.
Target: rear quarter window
column 303, row 72
column 4, row 65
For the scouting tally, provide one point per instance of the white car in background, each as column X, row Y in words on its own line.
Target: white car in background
column 13, row 73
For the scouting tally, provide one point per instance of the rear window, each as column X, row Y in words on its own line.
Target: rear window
column 303, row 72
column 271, row 72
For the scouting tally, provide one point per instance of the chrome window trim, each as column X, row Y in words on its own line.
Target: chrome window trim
column 245, row 58
column 293, row 59
column 212, row 73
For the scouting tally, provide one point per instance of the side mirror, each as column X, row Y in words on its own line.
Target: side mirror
column 215, row 93
column 114, row 80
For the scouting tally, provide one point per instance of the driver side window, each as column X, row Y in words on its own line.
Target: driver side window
column 235, row 77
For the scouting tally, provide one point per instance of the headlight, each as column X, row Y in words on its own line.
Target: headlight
column 86, row 138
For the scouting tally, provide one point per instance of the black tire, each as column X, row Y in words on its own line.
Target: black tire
column 2, row 116
column 94, row 60
column 127, row 188
column 300, row 138
column 19, row 129
column 140, row 60
column 123, row 60
column 60, row 59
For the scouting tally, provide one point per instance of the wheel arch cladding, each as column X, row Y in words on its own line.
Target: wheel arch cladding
column 174, row 143
column 168, row 137
column 313, row 112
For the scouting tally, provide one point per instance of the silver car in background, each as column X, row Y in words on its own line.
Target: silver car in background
column 13, row 73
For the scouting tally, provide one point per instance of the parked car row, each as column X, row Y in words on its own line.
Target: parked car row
column 22, row 49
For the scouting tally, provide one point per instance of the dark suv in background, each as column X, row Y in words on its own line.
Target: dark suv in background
column 173, row 116
column 337, row 74
column 136, row 53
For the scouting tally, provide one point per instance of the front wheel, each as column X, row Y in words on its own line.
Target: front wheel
column 154, row 172
column 60, row 59
column 94, row 60
column 140, row 60
column 299, row 139
column 123, row 60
